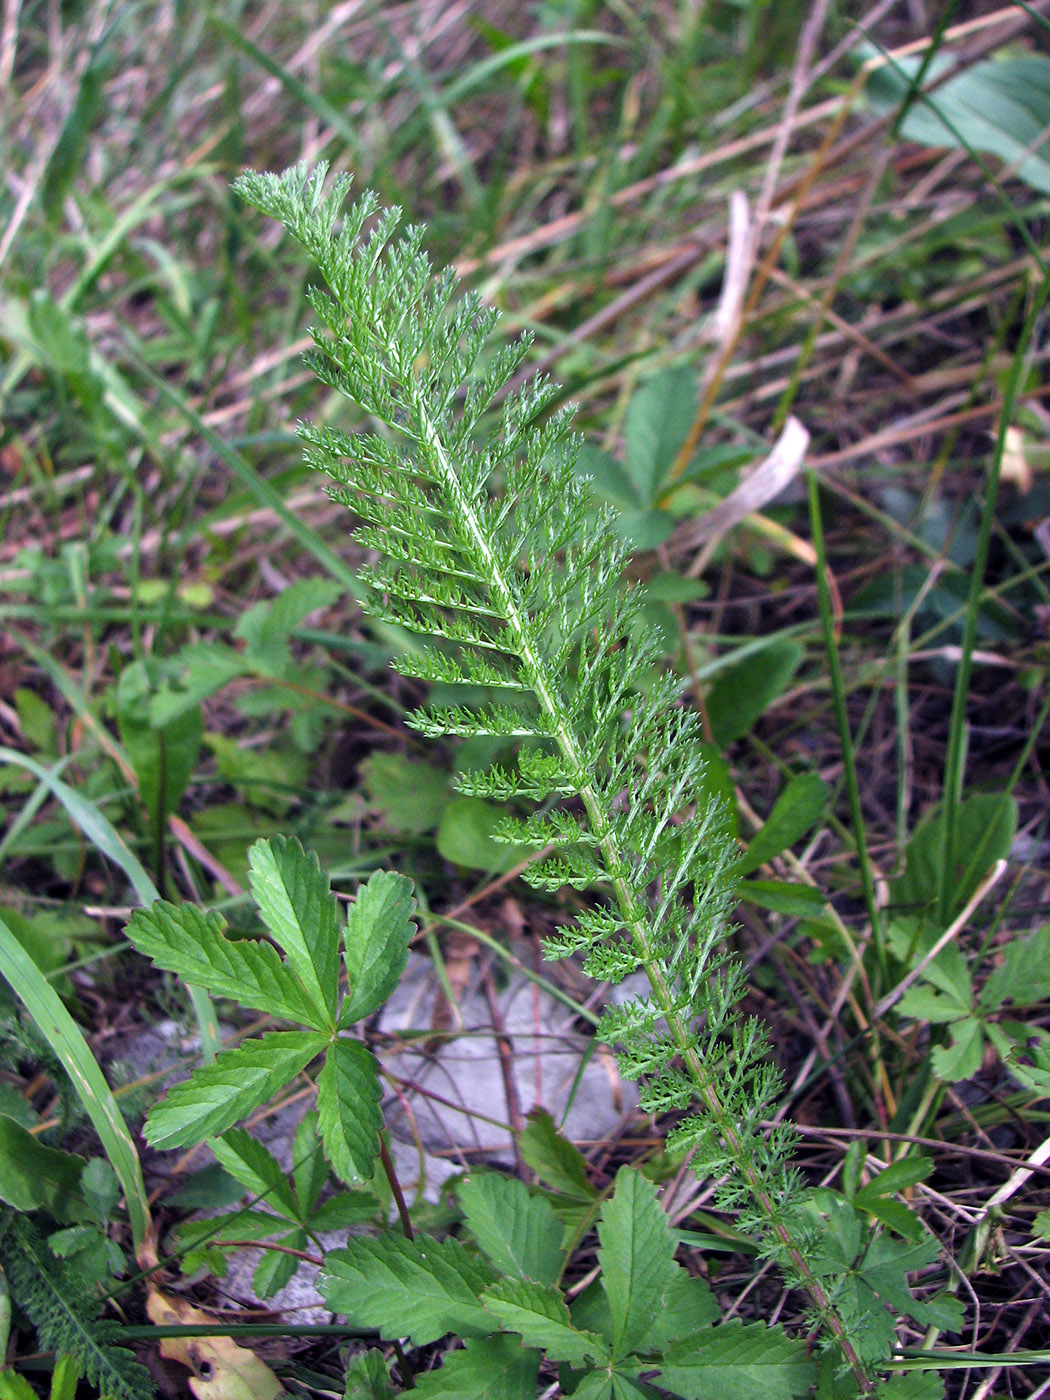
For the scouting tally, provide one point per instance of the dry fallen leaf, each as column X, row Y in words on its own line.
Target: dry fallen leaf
column 222, row 1370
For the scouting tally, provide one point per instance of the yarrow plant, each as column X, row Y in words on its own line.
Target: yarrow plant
column 490, row 550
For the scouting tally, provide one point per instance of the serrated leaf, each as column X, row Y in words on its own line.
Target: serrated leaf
column 276, row 1268
column 784, row 897
column 554, row 1159
column 348, row 1097
column 258, row 1171
column 908, row 1171
column 378, row 932
column 368, row 1378
column 190, row 942
column 36, row 1177
column 924, row 1004
column 498, row 1368
column 298, row 908
column 421, row 1288
column 1023, row 977
column 517, row 1230
column 744, row 691
column 539, row 1313
column 237, row 1083
column 267, row 626
column 657, row 421
column 689, row 1309
column 962, row 1058
column 309, row 1167
column 636, row 1258
column 798, row 808
column 738, row 1362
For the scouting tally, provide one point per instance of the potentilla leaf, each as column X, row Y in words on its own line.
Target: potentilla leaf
column 637, row 1259
column 237, row 1083
column 539, row 1313
column 297, row 905
column 499, row 1368
column 420, row 1288
column 348, row 1115
column 246, row 1159
column 517, row 1230
column 738, row 1362
column 378, row 932
column 190, row 942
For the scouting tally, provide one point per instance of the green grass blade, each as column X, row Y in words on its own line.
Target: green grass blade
column 65, row 1038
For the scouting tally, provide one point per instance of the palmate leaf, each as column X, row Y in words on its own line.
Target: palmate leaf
column 637, row 1259
column 300, row 911
column 378, row 932
column 348, row 1097
column 499, row 1368
column 236, row 1084
column 738, row 1362
column 517, row 1230
column 420, row 1288
column 190, row 942
column 539, row 1313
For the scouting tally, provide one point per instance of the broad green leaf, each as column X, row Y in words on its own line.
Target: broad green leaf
column 658, row 419
column 348, row 1097
column 65, row 1039
column 554, row 1159
column 378, row 932
column 688, row 1310
column 163, row 757
column 798, row 808
column 1023, row 976
column 783, row 897
column 409, row 794
column 36, row 1177
column 467, row 836
column 962, row 1058
column 539, row 1313
column 421, row 1288
column 300, row 911
column 985, row 827
column 596, row 1385
column 276, row 1268
column 266, row 627
column 517, row 1230
column 608, row 478
column 885, row 1269
column 368, row 1378
column 190, row 942
column 744, row 690
column 636, row 1257
column 896, row 1177
column 1000, row 107
column 245, row 1158
column 238, row 1082
column 309, row 1166
column 498, row 1368
column 738, row 1362
column 202, row 668
column 924, row 1004
column 346, row 1209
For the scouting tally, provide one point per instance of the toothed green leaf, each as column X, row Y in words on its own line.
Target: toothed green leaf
column 378, row 932
column 190, row 942
column 517, row 1230
column 300, row 911
column 237, row 1083
column 348, row 1097
column 636, row 1257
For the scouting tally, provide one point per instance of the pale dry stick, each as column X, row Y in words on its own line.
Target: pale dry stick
column 952, row 931
column 734, row 280
column 8, row 42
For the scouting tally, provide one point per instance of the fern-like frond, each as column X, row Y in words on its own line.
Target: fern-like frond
column 50, row 1293
column 490, row 550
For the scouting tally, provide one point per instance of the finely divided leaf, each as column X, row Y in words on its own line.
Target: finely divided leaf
column 420, row 1288
column 637, row 1259
column 378, row 932
column 258, row 1171
column 539, row 1313
column 190, row 942
column 236, row 1084
column 296, row 902
column 518, row 1231
column 499, row 1368
column 738, row 1362
column 348, row 1097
